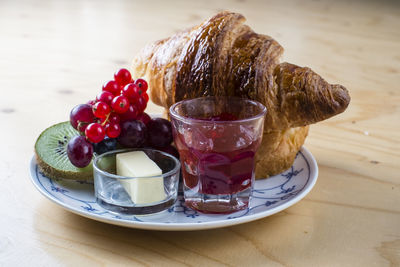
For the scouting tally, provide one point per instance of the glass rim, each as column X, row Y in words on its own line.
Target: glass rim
column 116, row 176
column 175, row 115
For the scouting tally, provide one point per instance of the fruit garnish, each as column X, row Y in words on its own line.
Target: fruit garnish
column 79, row 151
column 116, row 114
column 159, row 132
column 104, row 146
column 51, row 153
column 113, row 130
column 122, row 77
column 144, row 117
column 80, row 116
column 112, row 87
column 130, row 114
column 133, row 134
column 141, row 84
column 145, row 97
column 141, row 104
column 101, row 110
column 120, row 104
column 91, row 102
column 114, row 118
column 105, row 96
column 95, row 132
column 130, row 91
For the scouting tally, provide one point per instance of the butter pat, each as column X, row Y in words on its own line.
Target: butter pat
column 141, row 190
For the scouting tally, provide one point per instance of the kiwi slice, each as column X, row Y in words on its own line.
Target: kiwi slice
column 51, row 154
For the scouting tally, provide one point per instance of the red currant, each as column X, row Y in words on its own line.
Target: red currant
column 112, row 87
column 131, row 92
column 130, row 114
column 95, row 133
column 113, row 130
column 138, row 91
column 105, row 96
column 120, row 104
column 114, row 118
column 146, row 97
column 91, row 102
column 101, row 110
column 141, row 104
column 142, row 84
column 122, row 77
column 144, row 117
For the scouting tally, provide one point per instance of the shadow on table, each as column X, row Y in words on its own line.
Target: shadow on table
column 63, row 233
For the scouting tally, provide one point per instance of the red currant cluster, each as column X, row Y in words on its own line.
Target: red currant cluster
column 117, row 116
column 121, row 99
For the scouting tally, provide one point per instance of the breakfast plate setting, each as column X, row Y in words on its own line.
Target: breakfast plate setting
column 269, row 196
column 234, row 134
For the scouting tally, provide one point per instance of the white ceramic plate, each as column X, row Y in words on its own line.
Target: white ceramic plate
column 269, row 196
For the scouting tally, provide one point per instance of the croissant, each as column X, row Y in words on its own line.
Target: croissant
column 222, row 56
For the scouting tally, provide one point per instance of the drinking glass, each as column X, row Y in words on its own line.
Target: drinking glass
column 217, row 139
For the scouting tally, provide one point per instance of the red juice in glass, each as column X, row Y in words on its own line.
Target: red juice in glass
column 217, row 138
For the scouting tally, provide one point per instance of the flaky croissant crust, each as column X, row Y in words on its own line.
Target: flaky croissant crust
column 222, row 56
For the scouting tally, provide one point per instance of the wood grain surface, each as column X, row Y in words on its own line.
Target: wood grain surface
column 56, row 54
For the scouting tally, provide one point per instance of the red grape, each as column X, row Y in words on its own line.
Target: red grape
column 159, row 132
column 122, row 77
column 133, row 134
column 79, row 151
column 101, row 110
column 112, row 87
column 105, row 96
column 130, row 114
column 120, row 104
column 95, row 133
column 80, row 116
column 130, row 91
column 113, row 130
column 142, row 84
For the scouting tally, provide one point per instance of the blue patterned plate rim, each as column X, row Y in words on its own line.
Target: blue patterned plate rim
column 269, row 196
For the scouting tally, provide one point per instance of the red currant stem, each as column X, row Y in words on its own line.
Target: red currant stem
column 80, row 124
column 106, row 120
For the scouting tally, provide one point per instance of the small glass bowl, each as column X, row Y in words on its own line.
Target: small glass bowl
column 111, row 194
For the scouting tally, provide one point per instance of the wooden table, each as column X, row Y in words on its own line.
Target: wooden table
column 56, row 54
